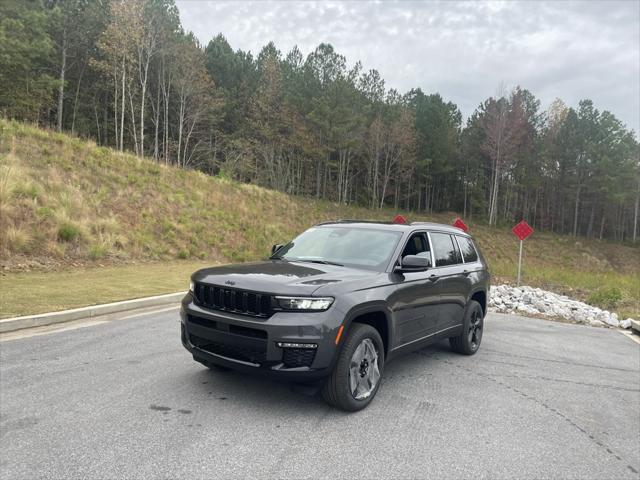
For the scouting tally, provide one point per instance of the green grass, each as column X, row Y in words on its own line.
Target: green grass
column 27, row 293
column 67, row 205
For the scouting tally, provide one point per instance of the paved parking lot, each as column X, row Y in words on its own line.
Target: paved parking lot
column 124, row 400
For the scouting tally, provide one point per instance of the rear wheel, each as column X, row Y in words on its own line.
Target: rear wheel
column 469, row 340
column 356, row 377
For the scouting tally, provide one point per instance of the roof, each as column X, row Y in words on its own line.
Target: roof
column 396, row 226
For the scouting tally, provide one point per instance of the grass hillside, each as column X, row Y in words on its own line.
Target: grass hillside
column 66, row 203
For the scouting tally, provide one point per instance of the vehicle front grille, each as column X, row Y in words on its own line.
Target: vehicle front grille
column 298, row 357
column 227, row 327
column 236, row 352
column 232, row 300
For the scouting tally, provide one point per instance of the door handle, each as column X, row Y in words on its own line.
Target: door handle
column 433, row 277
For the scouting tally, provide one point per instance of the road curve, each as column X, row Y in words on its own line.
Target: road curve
column 123, row 399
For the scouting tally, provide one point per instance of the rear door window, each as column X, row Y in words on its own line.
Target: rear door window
column 469, row 252
column 445, row 249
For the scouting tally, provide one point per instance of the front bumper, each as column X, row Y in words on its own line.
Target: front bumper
column 250, row 344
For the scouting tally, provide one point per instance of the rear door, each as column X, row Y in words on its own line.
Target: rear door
column 453, row 284
column 415, row 301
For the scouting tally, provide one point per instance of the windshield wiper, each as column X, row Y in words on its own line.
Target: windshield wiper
column 323, row 262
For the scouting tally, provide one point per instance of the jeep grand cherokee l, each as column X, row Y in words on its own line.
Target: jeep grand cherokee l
column 338, row 302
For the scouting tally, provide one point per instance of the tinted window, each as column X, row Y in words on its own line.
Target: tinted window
column 468, row 250
column 418, row 244
column 445, row 250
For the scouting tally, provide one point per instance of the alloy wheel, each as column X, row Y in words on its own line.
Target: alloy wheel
column 364, row 373
column 475, row 329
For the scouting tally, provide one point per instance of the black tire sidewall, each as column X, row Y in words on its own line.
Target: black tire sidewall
column 357, row 333
column 473, row 306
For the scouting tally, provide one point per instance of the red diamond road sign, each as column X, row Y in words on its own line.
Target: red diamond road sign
column 399, row 219
column 522, row 230
column 460, row 224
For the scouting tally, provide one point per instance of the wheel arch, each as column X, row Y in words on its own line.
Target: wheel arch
column 376, row 315
column 480, row 296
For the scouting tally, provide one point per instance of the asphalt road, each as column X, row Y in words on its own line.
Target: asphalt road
column 124, row 400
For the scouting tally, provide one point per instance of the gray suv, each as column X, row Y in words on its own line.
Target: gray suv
column 336, row 303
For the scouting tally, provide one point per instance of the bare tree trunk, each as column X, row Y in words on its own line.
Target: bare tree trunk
column 115, row 104
column 157, row 123
column 181, row 124
column 143, row 101
column 133, row 122
column 75, row 100
column 63, row 68
column 123, row 103
column 575, row 213
column 635, row 214
column 95, row 112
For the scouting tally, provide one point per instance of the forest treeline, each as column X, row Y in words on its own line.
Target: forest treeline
column 126, row 74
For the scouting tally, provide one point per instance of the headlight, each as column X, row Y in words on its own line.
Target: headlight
column 191, row 286
column 304, row 303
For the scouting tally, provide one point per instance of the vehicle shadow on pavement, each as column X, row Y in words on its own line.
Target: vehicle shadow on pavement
column 249, row 391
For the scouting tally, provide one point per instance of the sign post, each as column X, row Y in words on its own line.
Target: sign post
column 522, row 231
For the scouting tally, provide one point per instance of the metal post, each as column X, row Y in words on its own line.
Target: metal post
column 520, row 263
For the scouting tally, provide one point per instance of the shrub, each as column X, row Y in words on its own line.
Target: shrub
column 68, row 232
column 606, row 297
column 26, row 190
column 183, row 254
column 17, row 240
column 96, row 252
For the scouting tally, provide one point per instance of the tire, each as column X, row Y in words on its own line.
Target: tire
column 337, row 390
column 468, row 342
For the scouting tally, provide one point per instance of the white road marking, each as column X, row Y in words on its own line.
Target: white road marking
column 631, row 335
column 76, row 324
column 175, row 307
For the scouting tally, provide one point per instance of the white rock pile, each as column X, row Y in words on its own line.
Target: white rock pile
column 537, row 302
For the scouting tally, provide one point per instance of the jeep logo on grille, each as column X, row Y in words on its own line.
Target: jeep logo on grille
column 230, row 282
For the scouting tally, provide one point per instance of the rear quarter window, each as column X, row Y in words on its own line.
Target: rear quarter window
column 468, row 249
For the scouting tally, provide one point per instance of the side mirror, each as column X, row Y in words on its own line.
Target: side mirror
column 275, row 248
column 414, row 263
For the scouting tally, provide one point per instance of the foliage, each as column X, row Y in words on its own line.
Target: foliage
column 95, row 205
column 126, row 74
column 607, row 297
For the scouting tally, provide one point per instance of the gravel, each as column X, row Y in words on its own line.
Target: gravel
column 537, row 302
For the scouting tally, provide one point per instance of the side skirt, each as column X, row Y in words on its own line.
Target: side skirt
column 424, row 341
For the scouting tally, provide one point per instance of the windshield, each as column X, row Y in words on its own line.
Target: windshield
column 354, row 247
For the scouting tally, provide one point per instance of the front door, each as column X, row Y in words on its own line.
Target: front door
column 415, row 302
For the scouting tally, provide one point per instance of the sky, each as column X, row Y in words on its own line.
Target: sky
column 463, row 50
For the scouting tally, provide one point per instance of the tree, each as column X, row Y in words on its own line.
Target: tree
column 26, row 85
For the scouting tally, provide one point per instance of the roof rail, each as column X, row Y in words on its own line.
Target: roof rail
column 349, row 220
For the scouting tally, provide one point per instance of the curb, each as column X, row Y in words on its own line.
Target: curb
column 635, row 326
column 84, row 313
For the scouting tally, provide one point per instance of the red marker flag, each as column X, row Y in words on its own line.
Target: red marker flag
column 522, row 230
column 460, row 224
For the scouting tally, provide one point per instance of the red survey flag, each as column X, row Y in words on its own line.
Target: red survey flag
column 460, row 224
column 522, row 230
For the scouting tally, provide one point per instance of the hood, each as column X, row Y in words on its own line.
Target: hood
column 280, row 277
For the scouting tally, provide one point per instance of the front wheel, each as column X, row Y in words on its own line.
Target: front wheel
column 469, row 340
column 356, row 377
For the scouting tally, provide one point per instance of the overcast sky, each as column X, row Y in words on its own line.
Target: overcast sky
column 463, row 50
